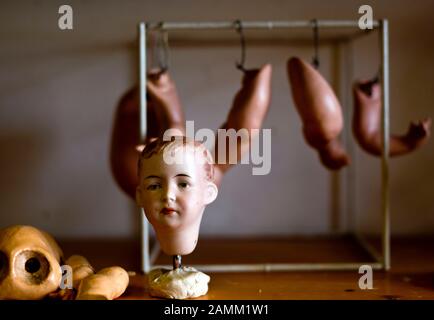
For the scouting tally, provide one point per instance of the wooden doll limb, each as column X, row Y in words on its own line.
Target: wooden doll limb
column 163, row 112
column 248, row 112
column 367, row 123
column 125, row 139
column 320, row 112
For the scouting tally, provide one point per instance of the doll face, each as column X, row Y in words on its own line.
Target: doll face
column 174, row 195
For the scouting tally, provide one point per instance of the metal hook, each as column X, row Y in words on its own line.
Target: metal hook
column 239, row 28
column 161, row 48
column 315, row 60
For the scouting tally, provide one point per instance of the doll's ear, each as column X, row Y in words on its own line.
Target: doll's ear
column 210, row 192
column 138, row 196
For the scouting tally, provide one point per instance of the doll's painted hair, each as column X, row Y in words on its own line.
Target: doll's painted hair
column 159, row 145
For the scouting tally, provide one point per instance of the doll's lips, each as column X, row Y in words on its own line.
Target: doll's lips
column 167, row 211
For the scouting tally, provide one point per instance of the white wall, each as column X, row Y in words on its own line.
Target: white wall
column 59, row 90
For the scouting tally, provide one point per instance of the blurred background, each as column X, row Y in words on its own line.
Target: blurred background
column 59, row 90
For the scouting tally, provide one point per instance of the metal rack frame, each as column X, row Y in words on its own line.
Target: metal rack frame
column 382, row 260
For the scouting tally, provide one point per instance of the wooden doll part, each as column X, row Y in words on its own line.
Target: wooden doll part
column 320, row 112
column 367, row 123
column 163, row 111
column 108, row 284
column 168, row 111
column 248, row 111
column 81, row 269
column 29, row 263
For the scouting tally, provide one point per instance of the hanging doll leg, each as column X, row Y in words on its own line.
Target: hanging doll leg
column 248, row 111
column 320, row 112
column 165, row 102
column 367, row 123
column 163, row 112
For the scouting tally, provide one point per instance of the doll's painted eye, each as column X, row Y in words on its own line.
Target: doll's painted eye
column 183, row 185
column 153, row 187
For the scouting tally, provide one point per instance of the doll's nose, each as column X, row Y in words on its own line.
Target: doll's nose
column 168, row 194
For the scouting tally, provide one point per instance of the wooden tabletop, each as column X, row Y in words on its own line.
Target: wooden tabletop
column 411, row 275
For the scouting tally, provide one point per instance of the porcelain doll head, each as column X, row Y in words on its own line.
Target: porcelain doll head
column 175, row 185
